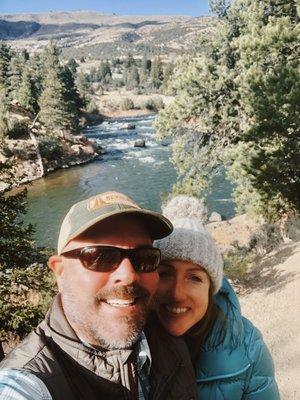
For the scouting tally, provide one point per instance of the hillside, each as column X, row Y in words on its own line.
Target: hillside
column 273, row 306
column 87, row 33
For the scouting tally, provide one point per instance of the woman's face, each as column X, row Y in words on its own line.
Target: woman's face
column 182, row 296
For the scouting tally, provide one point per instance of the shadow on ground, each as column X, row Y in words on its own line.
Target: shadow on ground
column 265, row 275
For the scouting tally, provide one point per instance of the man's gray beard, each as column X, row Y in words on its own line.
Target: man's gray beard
column 93, row 327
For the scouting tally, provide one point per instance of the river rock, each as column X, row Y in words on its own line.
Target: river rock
column 215, row 217
column 3, row 159
column 140, row 143
column 127, row 126
column 77, row 149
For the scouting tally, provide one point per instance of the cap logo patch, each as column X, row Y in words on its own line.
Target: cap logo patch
column 109, row 198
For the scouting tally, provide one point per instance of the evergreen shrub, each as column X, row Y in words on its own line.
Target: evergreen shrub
column 154, row 104
column 127, row 104
column 16, row 129
column 50, row 148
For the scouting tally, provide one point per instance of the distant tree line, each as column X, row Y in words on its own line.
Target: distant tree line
column 237, row 105
column 140, row 74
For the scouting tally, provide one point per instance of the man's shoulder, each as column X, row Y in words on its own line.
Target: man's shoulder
column 22, row 385
column 30, row 354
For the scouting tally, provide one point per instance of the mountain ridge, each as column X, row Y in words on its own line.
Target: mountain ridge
column 95, row 34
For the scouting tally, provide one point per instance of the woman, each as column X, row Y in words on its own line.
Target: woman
column 194, row 301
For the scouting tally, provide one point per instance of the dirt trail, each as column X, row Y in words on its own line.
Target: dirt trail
column 274, row 307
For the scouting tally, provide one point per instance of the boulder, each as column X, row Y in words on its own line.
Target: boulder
column 127, row 126
column 215, row 217
column 237, row 230
column 140, row 143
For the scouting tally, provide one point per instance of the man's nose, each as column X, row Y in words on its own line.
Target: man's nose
column 125, row 273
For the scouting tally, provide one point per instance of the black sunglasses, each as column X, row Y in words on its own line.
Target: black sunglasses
column 107, row 258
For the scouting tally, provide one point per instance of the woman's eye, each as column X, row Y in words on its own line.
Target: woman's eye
column 195, row 278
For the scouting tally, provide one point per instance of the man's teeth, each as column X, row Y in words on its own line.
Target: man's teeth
column 120, row 302
column 177, row 310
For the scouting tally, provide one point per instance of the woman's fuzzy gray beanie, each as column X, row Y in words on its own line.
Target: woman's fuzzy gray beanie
column 190, row 241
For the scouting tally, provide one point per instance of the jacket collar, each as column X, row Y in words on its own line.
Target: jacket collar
column 106, row 364
column 213, row 361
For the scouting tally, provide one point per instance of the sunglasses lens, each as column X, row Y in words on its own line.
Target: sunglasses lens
column 100, row 259
column 145, row 260
column 104, row 259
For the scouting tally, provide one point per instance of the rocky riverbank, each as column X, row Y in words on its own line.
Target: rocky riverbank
column 35, row 152
column 32, row 152
column 30, row 161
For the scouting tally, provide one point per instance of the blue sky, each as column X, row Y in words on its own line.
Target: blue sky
column 121, row 7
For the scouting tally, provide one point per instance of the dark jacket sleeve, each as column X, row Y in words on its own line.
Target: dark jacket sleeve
column 260, row 383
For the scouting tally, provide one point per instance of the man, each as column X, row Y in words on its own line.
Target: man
column 91, row 344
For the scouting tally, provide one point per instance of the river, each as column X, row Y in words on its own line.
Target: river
column 145, row 174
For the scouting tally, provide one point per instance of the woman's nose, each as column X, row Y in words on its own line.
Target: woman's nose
column 178, row 292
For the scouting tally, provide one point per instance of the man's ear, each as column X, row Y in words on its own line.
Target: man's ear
column 55, row 263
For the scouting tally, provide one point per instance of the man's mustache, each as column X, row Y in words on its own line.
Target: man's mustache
column 129, row 292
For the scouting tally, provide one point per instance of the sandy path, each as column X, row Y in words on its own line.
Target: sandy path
column 274, row 307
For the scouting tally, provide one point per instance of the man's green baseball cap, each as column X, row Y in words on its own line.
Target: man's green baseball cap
column 87, row 213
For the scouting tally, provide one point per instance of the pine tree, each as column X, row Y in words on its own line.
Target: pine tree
column 237, row 104
column 55, row 112
column 23, row 271
column 72, row 65
column 132, row 78
column 84, row 87
column 157, row 73
column 104, row 71
column 219, row 7
column 5, row 57
column 3, row 115
column 35, row 64
column 14, row 75
column 129, row 62
column 26, row 94
column 71, row 96
column 145, row 69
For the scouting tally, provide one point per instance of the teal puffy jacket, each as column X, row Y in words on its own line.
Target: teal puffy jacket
column 240, row 367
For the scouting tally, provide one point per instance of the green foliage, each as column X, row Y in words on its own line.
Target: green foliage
column 5, row 57
column 266, row 239
column 57, row 108
column 16, row 129
column 14, row 76
column 3, row 115
column 157, row 73
column 84, row 87
column 132, row 78
column 237, row 264
column 50, row 148
column 219, row 7
column 237, row 104
column 26, row 94
column 154, row 104
column 72, row 65
column 127, row 104
column 26, row 287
